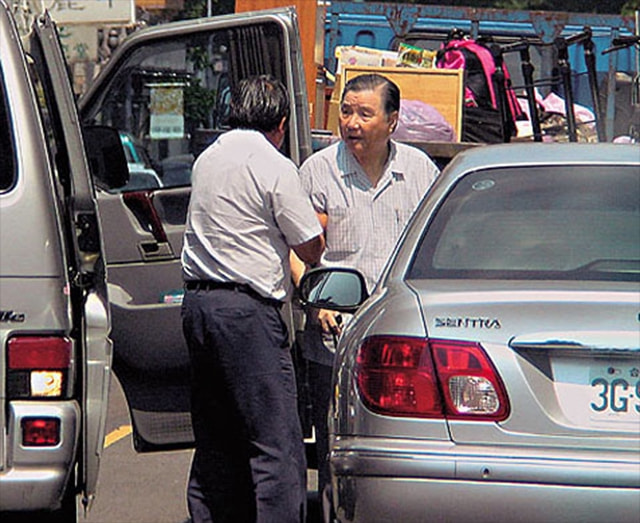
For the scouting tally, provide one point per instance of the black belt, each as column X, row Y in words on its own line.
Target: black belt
column 210, row 285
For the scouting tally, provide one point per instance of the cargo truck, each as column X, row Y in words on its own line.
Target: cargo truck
column 327, row 26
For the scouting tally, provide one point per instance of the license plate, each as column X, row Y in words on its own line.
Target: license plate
column 615, row 392
column 598, row 394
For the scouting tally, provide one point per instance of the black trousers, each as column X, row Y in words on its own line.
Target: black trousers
column 249, row 462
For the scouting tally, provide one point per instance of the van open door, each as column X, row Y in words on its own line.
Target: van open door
column 84, row 251
column 166, row 89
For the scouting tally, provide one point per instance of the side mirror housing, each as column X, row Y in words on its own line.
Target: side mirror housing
column 334, row 288
column 106, row 158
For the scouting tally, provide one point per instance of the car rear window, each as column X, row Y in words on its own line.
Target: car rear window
column 553, row 222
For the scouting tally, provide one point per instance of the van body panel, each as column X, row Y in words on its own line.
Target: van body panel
column 52, row 280
column 88, row 291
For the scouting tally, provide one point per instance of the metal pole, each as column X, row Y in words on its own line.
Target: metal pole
column 590, row 62
column 527, row 74
column 565, row 76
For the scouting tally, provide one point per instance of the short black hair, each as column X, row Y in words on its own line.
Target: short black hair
column 370, row 82
column 259, row 103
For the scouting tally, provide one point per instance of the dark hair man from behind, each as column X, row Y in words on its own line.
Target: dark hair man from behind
column 259, row 103
column 371, row 82
column 247, row 211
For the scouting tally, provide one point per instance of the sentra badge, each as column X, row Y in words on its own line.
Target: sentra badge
column 469, row 323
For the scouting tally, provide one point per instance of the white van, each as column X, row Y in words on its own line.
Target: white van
column 166, row 89
column 55, row 353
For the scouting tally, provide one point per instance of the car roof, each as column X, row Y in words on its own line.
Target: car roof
column 531, row 154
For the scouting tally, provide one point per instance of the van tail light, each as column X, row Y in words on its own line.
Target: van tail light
column 38, row 366
column 417, row 377
column 40, row 432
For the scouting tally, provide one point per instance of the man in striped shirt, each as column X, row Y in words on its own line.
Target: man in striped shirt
column 364, row 189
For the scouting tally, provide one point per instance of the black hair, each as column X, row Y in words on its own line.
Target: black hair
column 259, row 103
column 370, row 82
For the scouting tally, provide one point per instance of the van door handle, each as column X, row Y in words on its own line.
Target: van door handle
column 155, row 250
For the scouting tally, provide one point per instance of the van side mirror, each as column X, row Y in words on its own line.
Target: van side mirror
column 336, row 288
column 107, row 162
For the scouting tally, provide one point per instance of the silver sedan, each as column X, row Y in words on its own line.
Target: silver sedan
column 494, row 373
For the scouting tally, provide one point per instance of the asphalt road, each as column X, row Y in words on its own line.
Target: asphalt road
column 145, row 488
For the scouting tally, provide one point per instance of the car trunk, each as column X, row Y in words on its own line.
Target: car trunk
column 575, row 383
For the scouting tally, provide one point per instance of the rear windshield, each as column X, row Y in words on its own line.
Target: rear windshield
column 568, row 223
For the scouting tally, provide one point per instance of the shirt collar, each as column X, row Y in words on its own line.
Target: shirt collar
column 352, row 167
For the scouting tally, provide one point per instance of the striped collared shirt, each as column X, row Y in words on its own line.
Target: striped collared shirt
column 364, row 222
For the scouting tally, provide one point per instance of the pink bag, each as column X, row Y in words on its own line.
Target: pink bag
column 479, row 66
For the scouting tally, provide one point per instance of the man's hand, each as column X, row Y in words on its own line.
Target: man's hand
column 330, row 321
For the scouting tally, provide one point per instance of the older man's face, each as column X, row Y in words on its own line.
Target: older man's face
column 364, row 126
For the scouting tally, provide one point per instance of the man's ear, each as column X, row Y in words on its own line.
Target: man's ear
column 282, row 126
column 393, row 121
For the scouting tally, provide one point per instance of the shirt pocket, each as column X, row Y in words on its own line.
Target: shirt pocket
column 344, row 231
column 402, row 217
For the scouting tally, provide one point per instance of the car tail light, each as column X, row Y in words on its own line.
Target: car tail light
column 417, row 377
column 470, row 383
column 38, row 366
column 40, row 432
column 396, row 377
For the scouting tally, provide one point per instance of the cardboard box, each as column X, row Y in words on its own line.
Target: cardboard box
column 440, row 88
column 353, row 55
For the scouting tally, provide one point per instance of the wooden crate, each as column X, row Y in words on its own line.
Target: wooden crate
column 440, row 88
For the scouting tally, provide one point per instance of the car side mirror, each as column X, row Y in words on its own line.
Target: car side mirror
column 105, row 154
column 335, row 288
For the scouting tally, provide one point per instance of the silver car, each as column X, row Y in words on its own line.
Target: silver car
column 494, row 374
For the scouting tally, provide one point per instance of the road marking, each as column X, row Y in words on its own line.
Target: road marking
column 116, row 435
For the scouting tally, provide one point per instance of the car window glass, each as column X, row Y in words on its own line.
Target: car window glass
column 170, row 99
column 578, row 222
column 7, row 154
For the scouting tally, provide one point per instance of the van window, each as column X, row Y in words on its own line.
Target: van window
column 51, row 123
column 7, row 152
column 170, row 99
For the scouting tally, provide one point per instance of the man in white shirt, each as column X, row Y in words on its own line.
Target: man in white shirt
column 247, row 211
